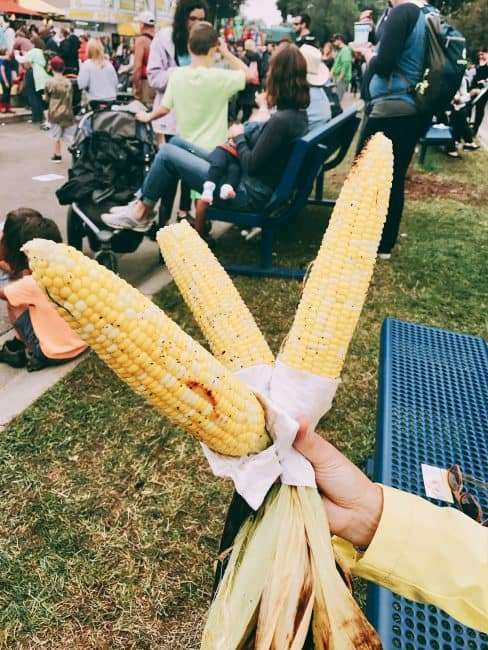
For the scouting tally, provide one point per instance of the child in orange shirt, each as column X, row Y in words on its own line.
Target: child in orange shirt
column 42, row 336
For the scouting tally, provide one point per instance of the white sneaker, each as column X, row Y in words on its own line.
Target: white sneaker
column 126, row 220
column 208, row 192
column 227, row 192
column 254, row 232
column 384, row 256
column 453, row 154
column 122, row 208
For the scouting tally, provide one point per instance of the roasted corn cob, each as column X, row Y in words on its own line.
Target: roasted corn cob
column 338, row 283
column 149, row 351
column 219, row 310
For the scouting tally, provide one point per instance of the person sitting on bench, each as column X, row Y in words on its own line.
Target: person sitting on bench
column 399, row 540
column 262, row 165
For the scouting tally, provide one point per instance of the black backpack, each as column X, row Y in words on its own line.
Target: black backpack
column 445, row 64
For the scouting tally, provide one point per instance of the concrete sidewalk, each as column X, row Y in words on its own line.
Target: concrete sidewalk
column 25, row 153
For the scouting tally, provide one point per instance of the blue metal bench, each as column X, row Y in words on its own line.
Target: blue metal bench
column 433, row 409
column 308, row 162
column 435, row 137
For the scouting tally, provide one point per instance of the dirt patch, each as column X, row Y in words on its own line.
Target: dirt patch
column 424, row 186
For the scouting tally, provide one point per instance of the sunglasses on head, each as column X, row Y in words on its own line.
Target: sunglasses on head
column 466, row 501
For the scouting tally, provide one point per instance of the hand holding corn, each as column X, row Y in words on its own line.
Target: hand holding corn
column 282, row 576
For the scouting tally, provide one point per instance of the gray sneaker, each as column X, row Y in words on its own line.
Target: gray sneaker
column 125, row 219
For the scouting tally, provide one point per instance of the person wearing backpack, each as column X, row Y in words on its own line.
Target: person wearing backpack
column 405, row 84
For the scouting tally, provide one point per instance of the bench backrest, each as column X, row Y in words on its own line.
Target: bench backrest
column 308, row 157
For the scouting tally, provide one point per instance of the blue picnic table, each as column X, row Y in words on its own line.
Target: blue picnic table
column 438, row 135
column 432, row 409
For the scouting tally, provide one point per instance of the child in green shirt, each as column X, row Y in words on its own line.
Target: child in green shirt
column 199, row 93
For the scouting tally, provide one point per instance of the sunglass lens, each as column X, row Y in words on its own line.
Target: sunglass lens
column 471, row 507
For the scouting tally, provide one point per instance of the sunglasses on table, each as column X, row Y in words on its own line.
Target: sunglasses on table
column 466, row 501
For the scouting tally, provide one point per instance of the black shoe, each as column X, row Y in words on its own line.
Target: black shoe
column 33, row 364
column 15, row 344
column 56, row 159
column 13, row 355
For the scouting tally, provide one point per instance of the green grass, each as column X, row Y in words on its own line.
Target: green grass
column 110, row 519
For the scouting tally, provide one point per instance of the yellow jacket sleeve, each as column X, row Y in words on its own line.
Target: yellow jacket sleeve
column 427, row 554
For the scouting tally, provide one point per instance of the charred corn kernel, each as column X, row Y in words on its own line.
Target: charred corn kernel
column 149, row 351
column 219, row 310
column 336, row 289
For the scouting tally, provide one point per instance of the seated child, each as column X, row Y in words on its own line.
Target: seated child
column 42, row 338
column 225, row 170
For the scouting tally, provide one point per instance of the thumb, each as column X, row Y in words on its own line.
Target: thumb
column 310, row 444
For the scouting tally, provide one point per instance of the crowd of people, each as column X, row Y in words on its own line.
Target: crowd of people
column 194, row 82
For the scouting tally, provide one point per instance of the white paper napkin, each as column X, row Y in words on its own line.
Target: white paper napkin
column 285, row 393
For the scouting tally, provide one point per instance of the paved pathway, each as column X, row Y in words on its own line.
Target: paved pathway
column 24, row 153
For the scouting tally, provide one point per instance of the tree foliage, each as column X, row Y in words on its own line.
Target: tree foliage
column 449, row 7
column 224, row 8
column 328, row 16
column 473, row 25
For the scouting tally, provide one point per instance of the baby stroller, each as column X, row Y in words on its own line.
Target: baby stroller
column 111, row 152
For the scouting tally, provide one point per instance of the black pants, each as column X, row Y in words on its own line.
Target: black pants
column 479, row 112
column 404, row 132
column 34, row 99
column 460, row 126
column 224, row 168
column 5, row 94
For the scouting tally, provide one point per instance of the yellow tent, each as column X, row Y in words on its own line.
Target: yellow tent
column 41, row 7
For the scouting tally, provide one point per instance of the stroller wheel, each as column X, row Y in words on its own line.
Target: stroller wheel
column 75, row 230
column 108, row 259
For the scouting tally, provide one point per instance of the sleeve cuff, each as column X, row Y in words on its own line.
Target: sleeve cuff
column 386, row 548
column 241, row 142
column 384, row 552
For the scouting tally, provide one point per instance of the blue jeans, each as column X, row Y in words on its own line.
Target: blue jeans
column 181, row 160
column 24, row 327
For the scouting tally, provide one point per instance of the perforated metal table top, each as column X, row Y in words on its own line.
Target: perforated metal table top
column 432, row 408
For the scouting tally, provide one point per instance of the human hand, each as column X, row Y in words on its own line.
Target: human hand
column 223, row 48
column 366, row 16
column 353, row 503
column 235, row 130
column 144, row 117
column 261, row 100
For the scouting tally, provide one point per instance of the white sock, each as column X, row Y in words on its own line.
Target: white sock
column 227, row 192
column 208, row 192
